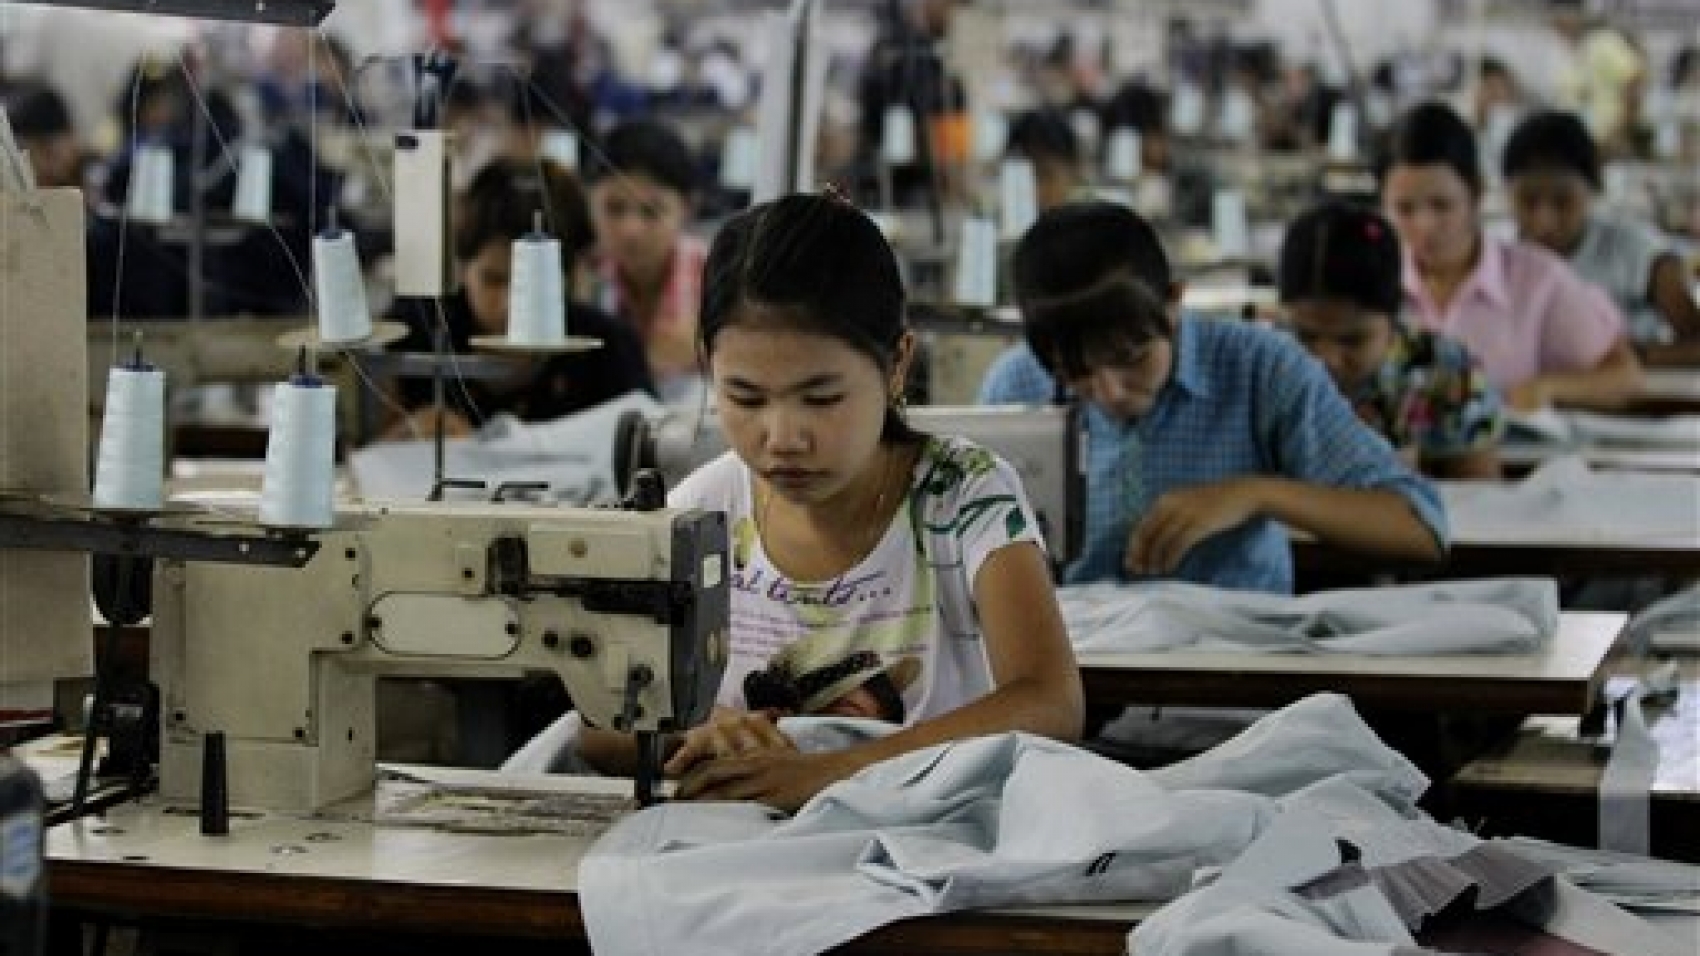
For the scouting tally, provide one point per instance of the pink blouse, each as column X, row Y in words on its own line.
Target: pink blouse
column 1522, row 313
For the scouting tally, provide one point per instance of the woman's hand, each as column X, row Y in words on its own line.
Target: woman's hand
column 783, row 779
column 421, row 424
column 727, row 733
column 1530, row 396
column 744, row 756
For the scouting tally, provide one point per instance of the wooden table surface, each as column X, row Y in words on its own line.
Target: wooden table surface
column 149, row 863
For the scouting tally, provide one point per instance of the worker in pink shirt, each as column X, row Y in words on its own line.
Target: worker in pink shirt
column 1543, row 336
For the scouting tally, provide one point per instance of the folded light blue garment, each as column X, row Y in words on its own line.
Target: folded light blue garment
column 1490, row 616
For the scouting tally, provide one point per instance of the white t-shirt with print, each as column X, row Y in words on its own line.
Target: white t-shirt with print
column 911, row 597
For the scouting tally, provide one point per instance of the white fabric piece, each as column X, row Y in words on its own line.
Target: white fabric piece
column 573, row 455
column 1504, row 615
column 1631, row 881
column 1240, row 920
column 1592, row 921
column 552, row 750
column 1626, row 784
column 1564, row 502
column 1314, row 739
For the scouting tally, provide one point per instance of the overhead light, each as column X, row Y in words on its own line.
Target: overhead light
column 294, row 13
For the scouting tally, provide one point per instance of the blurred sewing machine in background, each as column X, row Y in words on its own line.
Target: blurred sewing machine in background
column 1046, row 445
column 629, row 607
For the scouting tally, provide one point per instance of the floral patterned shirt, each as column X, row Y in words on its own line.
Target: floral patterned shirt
column 1432, row 397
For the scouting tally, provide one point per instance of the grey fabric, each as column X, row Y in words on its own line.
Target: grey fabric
column 1338, row 871
column 1317, row 738
column 1631, row 881
column 1234, row 920
column 1626, row 784
column 1505, row 615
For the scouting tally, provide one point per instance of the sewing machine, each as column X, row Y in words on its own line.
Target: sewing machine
column 1045, row 444
column 630, row 608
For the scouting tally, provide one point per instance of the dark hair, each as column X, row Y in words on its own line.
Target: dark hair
column 1043, row 134
column 650, row 149
column 823, row 265
column 1683, row 65
column 1552, row 141
column 151, row 79
column 36, row 110
column 1344, row 252
column 1432, row 134
column 1139, row 106
column 1091, row 279
column 502, row 201
column 1494, row 66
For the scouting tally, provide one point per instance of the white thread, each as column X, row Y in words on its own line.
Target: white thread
column 1237, row 120
column 130, row 467
column 253, row 202
column 296, row 491
column 1087, row 128
column 897, row 144
column 739, row 157
column 537, row 302
column 976, row 264
column 1343, row 133
column 1018, row 197
column 561, row 145
column 1123, row 161
column 152, row 171
column 339, row 288
column 1187, row 110
column 991, row 135
column 1228, row 224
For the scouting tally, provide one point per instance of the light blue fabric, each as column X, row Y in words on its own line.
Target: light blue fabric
column 1490, row 616
column 1241, row 401
column 1002, row 820
column 1316, row 738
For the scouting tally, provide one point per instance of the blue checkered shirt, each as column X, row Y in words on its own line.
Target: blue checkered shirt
column 1241, row 401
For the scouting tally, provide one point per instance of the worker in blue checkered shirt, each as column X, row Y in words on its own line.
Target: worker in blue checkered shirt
column 1207, row 437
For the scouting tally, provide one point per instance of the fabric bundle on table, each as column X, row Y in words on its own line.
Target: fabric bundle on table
column 1491, row 616
column 1564, row 501
column 1299, row 836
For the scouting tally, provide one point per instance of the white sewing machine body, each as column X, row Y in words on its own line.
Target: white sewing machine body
column 630, row 608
